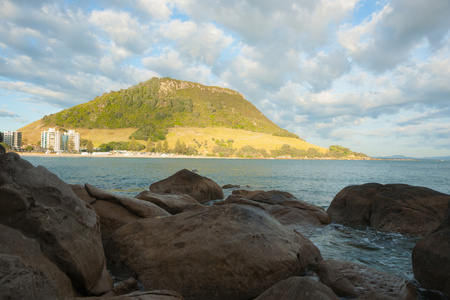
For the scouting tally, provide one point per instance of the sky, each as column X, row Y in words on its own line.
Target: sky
column 373, row 76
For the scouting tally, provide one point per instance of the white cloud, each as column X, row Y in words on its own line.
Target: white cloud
column 201, row 42
column 7, row 114
column 123, row 29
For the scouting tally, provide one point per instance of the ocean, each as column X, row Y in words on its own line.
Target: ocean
column 314, row 181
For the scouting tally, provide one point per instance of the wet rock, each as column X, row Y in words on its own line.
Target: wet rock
column 173, row 204
column 220, row 252
column 391, row 207
column 81, row 192
column 431, row 258
column 25, row 272
column 283, row 206
column 184, row 181
column 298, row 288
column 44, row 208
column 353, row 280
column 135, row 206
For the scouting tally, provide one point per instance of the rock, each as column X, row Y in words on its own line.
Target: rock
column 391, row 207
column 220, row 252
column 376, row 296
column 431, row 258
column 231, row 186
column 151, row 295
column 184, row 181
column 40, row 205
column 112, row 216
column 283, row 206
column 298, row 288
column 173, row 204
column 127, row 286
column 353, row 280
column 25, row 272
column 138, row 207
column 81, row 192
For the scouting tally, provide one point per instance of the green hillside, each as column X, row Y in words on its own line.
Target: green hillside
column 155, row 106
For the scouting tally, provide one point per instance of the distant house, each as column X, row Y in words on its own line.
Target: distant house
column 13, row 139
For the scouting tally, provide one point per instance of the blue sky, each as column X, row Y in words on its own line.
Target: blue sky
column 373, row 76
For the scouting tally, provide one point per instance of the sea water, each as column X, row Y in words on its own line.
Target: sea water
column 314, row 181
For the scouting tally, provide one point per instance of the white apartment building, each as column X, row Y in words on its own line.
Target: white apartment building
column 13, row 139
column 67, row 141
column 51, row 139
column 71, row 141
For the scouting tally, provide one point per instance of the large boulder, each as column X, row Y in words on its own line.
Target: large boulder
column 298, row 288
column 184, row 181
column 112, row 217
column 283, row 206
column 135, row 206
column 44, row 208
column 353, row 280
column 25, row 272
column 174, row 204
column 431, row 258
column 391, row 207
column 149, row 295
column 82, row 193
column 220, row 252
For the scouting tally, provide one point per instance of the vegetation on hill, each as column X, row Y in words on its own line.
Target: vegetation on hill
column 164, row 115
column 158, row 104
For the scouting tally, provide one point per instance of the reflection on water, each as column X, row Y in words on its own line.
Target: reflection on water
column 314, row 181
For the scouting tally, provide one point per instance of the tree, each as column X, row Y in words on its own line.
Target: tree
column 132, row 145
column 178, row 148
column 158, row 147
column 165, row 147
column 89, row 146
column 29, row 148
column 150, row 147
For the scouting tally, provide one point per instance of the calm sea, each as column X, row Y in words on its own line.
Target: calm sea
column 315, row 181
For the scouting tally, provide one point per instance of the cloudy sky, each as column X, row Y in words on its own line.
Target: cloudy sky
column 373, row 76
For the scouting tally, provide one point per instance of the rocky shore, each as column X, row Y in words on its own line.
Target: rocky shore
column 60, row 241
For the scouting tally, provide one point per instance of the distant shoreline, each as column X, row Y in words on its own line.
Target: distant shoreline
column 34, row 154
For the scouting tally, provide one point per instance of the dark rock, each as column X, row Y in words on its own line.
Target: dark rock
column 173, row 204
column 151, row 295
column 353, row 280
column 138, row 207
column 184, row 181
column 391, row 207
column 40, row 205
column 231, row 186
column 112, row 216
column 81, row 192
column 25, row 272
column 376, row 296
column 283, row 206
column 220, row 252
column 298, row 288
column 122, row 288
column 431, row 258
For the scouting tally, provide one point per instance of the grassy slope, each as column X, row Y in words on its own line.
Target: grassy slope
column 240, row 137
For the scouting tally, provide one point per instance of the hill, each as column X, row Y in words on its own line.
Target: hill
column 210, row 120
